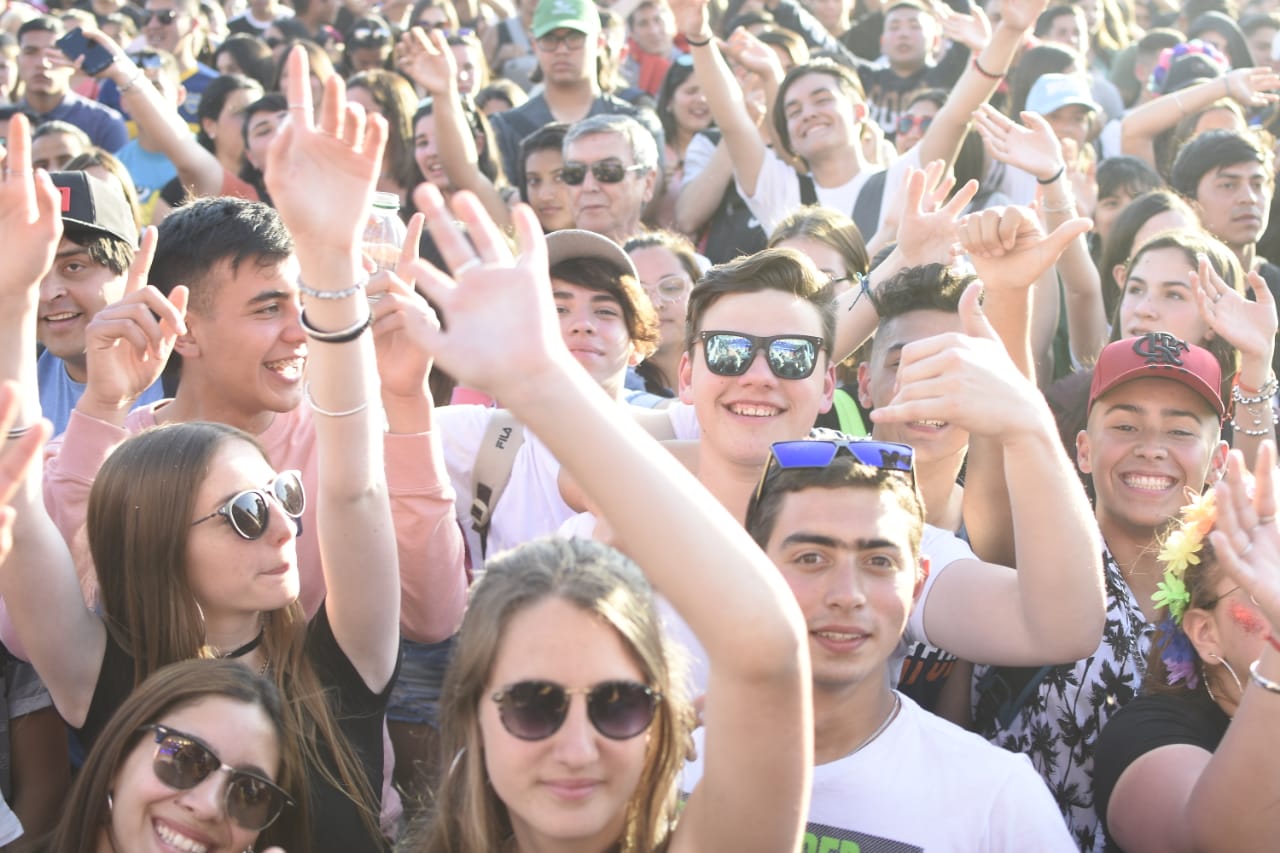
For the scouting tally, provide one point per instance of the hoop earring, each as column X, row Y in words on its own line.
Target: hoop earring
column 1230, row 672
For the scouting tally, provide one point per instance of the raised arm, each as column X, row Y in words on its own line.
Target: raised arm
column 1052, row 608
column 198, row 169
column 1141, row 126
column 64, row 639
column 429, row 62
column 321, row 173
column 724, row 95
column 755, row 791
column 1250, row 327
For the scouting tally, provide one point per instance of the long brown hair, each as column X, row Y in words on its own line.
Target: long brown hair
column 139, row 522
column 171, row 688
column 467, row 815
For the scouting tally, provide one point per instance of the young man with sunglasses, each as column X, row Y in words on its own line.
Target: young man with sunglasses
column 843, row 523
column 611, row 168
column 1152, row 438
column 568, row 43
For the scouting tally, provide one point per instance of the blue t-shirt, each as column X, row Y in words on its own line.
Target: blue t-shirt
column 104, row 125
column 150, row 171
column 59, row 393
column 195, row 84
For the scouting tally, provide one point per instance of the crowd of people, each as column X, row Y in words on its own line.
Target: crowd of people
column 439, row 426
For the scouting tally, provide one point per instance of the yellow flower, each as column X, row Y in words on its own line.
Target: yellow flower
column 1200, row 515
column 1181, row 549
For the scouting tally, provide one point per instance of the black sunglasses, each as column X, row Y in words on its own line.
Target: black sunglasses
column 604, row 171
column 248, row 512
column 164, row 16
column 788, row 356
column 535, row 710
column 908, row 123
column 182, row 762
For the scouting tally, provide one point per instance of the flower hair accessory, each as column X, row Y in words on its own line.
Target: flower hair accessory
column 1170, row 55
column 1181, row 549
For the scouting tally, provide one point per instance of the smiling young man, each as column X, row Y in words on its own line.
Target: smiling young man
column 846, row 536
column 1152, row 439
column 90, row 271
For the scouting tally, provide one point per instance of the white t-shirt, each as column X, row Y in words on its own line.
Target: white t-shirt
column 942, row 547
column 926, row 785
column 530, row 507
column 778, row 189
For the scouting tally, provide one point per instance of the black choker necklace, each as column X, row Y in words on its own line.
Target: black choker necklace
column 245, row 649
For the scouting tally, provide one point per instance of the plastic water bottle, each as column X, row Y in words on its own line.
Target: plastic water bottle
column 384, row 232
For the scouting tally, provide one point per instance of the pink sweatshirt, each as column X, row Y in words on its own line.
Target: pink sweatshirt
column 433, row 579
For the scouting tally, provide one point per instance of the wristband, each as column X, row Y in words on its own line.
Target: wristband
column 1251, row 396
column 19, row 432
column 341, row 336
column 706, row 41
column 1062, row 170
column 977, row 66
column 311, row 401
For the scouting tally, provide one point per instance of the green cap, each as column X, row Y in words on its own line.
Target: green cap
column 580, row 15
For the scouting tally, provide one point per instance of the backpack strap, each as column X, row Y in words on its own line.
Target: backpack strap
column 808, row 192
column 850, row 418
column 492, row 472
column 866, row 210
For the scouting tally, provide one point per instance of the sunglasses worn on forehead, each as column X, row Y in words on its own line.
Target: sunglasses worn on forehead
column 605, row 171
column 535, row 710
column 788, row 356
column 819, row 453
column 164, row 16
column 182, row 762
column 249, row 512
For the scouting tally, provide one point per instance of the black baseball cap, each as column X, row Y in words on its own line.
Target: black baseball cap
column 96, row 204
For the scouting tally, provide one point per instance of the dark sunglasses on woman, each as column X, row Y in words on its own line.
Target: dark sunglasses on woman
column 535, row 710
column 249, row 512
column 183, row 762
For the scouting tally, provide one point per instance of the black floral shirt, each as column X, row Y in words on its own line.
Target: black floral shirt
column 1055, row 714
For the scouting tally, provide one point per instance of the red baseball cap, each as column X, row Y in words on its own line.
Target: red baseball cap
column 1160, row 355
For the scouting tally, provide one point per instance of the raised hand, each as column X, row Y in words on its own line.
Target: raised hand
column 1009, row 248
column 321, row 176
column 498, row 329
column 1253, row 87
column 926, row 235
column 1246, row 538
column 692, row 18
column 972, row 30
column 1032, row 147
column 1248, row 326
column 128, row 343
column 1021, row 15
column 30, row 226
column 400, row 318
column 939, row 378
column 428, row 61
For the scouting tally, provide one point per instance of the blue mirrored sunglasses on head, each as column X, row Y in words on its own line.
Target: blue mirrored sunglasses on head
column 819, row 453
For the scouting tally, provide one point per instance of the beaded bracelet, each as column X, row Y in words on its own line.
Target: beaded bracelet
column 341, row 336
column 311, row 401
column 1263, row 395
column 345, row 293
column 1262, row 681
column 1254, row 433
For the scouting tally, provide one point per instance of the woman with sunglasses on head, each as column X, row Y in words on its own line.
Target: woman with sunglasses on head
column 564, row 727
column 192, row 532
column 199, row 751
column 1192, row 764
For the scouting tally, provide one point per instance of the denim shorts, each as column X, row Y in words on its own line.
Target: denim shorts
column 415, row 698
